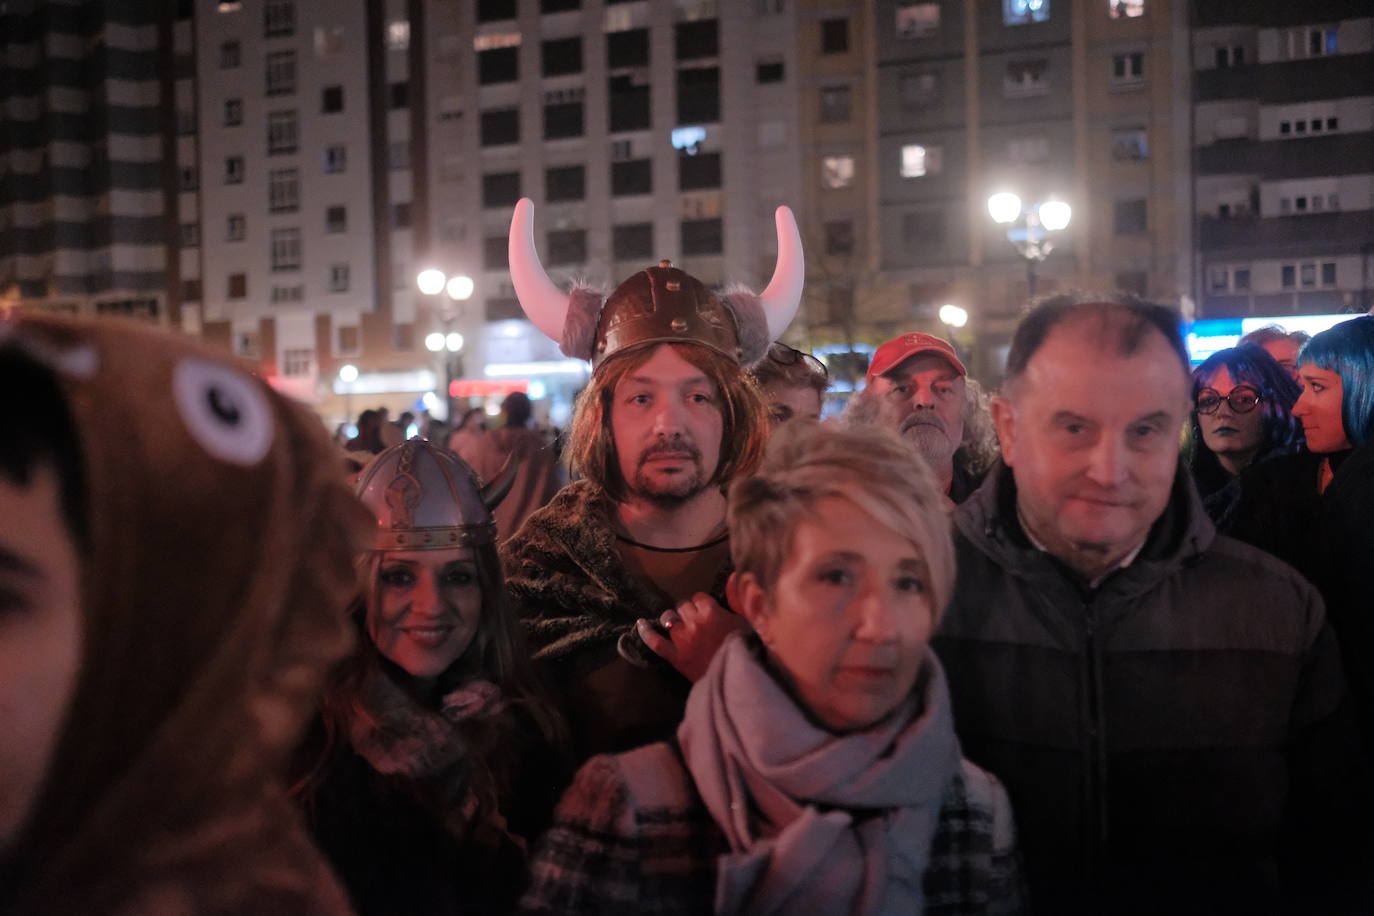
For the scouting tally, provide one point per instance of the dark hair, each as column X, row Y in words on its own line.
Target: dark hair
column 516, row 407
column 791, row 368
column 366, row 417
column 1124, row 320
column 39, row 430
column 1249, row 364
column 1348, row 350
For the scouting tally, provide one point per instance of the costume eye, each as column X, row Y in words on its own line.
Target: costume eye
column 224, row 410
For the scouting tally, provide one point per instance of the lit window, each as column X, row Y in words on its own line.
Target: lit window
column 1129, row 143
column 837, row 171
column 328, row 40
column 1126, row 9
column 228, row 6
column 398, row 34
column 916, row 20
column 1021, row 12
column 919, row 161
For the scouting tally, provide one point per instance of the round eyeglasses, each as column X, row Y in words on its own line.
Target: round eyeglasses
column 1242, row 399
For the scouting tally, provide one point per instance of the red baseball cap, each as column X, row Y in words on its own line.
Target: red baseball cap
column 899, row 348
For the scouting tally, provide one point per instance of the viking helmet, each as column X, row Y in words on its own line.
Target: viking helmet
column 659, row 304
column 425, row 498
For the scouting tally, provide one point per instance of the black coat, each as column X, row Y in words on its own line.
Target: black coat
column 1175, row 740
column 1329, row 538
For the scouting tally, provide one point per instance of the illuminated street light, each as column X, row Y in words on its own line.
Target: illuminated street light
column 1030, row 228
column 459, row 287
column 348, row 374
column 431, row 281
column 453, row 342
column 953, row 316
column 434, row 341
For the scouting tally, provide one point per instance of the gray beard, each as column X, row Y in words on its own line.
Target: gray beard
column 931, row 442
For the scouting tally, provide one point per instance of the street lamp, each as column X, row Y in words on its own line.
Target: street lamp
column 1030, row 228
column 953, row 316
column 459, row 289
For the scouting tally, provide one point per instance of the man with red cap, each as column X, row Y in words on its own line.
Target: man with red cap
column 917, row 385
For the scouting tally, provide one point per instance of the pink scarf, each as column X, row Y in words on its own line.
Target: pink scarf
column 816, row 822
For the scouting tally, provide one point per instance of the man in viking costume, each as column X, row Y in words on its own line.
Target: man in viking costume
column 620, row 579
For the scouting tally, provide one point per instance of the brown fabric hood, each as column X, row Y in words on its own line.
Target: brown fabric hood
column 222, row 538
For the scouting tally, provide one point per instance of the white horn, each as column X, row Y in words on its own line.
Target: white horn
column 783, row 295
column 545, row 304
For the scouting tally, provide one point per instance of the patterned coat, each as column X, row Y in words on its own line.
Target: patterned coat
column 576, row 599
column 633, row 836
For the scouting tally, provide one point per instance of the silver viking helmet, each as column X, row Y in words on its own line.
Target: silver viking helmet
column 659, row 304
column 425, row 498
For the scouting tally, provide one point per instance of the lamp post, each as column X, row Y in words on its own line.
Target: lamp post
column 348, row 374
column 1030, row 228
column 459, row 289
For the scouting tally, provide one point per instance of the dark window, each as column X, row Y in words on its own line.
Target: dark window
column 839, row 237
column 558, row 6
column 567, row 182
column 230, row 55
column 834, row 36
column 920, row 89
column 496, row 253
column 281, row 73
column 633, row 177
column 399, row 95
column 279, row 18
column 695, row 173
column 1129, row 217
column 627, row 49
column 233, row 112
column 839, row 302
column 190, row 290
column 632, row 241
column 1329, row 273
column 567, row 246
column 400, row 215
column 702, row 236
column 500, row 189
column 769, row 72
column 698, row 95
column 336, row 219
column 500, row 126
column 495, row 10
column 1289, row 276
column 498, row 65
column 629, row 104
column 332, row 99
column 925, row 227
column 562, row 56
column 834, row 104
column 238, row 286
column 562, row 120
column 699, row 38
column 1132, row 281
column 403, row 337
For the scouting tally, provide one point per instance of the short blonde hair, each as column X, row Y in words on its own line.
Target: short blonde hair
column 868, row 465
column 744, row 417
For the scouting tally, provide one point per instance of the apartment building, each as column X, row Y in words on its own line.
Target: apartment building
column 1078, row 102
column 1283, row 192
column 88, row 192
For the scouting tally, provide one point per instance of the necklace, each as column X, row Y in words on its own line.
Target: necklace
column 633, row 543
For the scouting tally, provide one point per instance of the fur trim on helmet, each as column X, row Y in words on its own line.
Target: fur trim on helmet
column 579, row 327
column 750, row 322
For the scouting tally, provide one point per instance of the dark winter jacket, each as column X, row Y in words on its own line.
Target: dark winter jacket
column 1176, row 739
column 1329, row 538
column 576, row 598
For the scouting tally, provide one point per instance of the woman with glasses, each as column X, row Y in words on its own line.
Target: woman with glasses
column 793, row 384
column 1242, row 415
column 1313, row 509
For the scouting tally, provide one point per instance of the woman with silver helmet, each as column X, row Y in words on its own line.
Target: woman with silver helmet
column 437, row 756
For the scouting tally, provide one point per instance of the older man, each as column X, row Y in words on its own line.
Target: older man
column 917, row 385
column 620, row 578
column 1165, row 705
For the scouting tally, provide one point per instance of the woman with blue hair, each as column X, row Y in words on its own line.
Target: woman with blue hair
column 1313, row 509
column 1242, row 416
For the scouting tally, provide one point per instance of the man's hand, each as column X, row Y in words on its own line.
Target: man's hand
column 696, row 628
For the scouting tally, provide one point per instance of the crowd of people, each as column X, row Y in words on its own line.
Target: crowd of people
column 1090, row 643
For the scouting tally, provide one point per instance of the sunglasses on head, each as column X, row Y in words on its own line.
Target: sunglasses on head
column 1242, row 399
column 784, row 355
